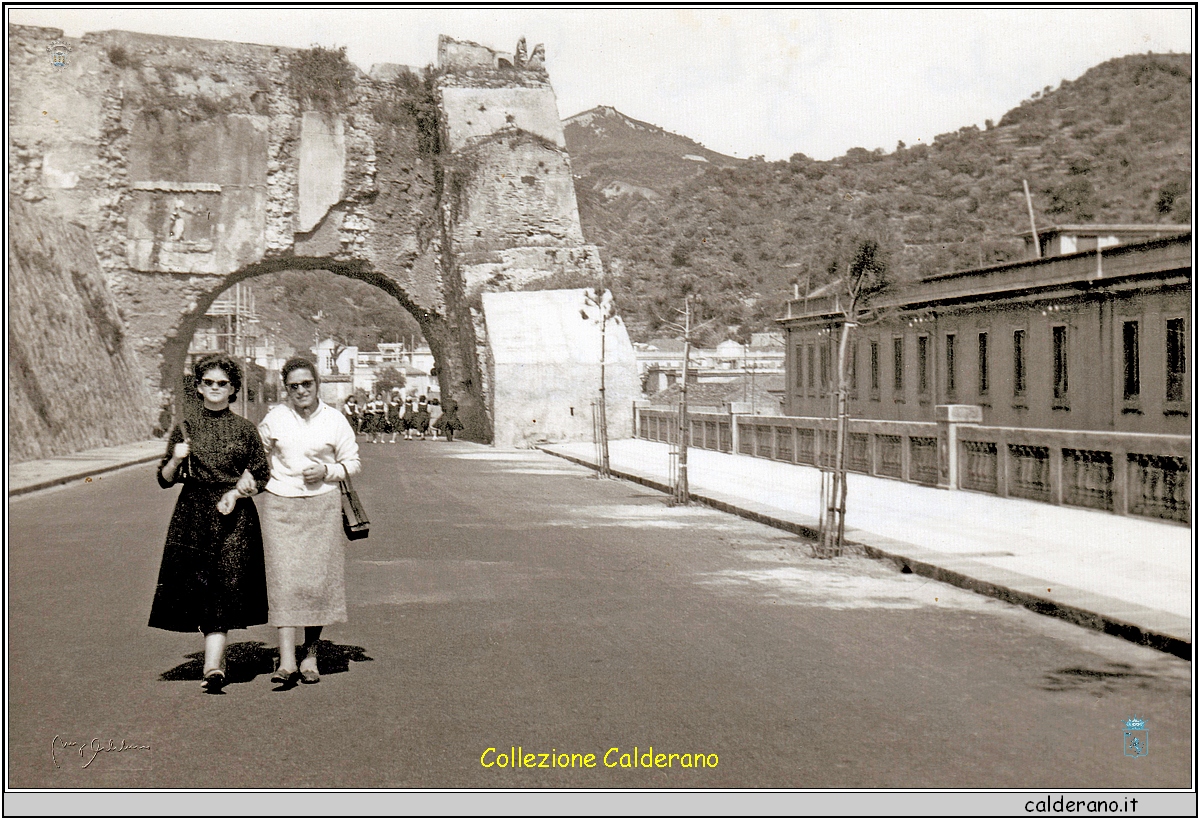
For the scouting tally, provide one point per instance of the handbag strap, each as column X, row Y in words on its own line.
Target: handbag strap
column 187, row 461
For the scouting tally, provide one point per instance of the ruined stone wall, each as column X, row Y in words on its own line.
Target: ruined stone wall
column 73, row 382
column 194, row 164
column 547, row 372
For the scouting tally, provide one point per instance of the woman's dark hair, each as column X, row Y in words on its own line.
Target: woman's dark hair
column 299, row 363
column 232, row 369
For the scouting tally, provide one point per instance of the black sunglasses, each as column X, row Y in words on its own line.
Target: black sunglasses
column 215, row 382
column 306, row 385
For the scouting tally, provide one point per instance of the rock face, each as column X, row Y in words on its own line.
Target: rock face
column 73, row 382
column 192, row 165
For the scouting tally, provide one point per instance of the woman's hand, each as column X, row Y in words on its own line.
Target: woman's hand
column 315, row 472
column 246, row 485
column 181, row 451
column 228, row 501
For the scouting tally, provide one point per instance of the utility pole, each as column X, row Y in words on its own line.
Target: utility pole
column 1037, row 246
column 605, row 307
column 682, row 494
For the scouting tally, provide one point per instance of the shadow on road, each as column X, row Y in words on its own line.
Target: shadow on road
column 247, row 660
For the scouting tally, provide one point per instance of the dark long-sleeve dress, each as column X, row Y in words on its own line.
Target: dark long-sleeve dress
column 212, row 577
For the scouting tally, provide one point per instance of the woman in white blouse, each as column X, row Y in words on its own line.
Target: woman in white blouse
column 311, row 447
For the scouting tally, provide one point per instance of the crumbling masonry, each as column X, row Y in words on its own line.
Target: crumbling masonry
column 191, row 165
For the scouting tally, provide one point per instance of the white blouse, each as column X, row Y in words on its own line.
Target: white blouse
column 294, row 442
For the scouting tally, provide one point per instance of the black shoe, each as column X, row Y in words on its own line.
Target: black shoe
column 214, row 681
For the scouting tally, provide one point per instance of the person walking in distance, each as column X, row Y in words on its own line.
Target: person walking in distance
column 212, row 577
column 448, row 421
column 395, row 406
column 353, row 413
column 311, row 448
column 409, row 419
column 421, row 420
column 375, row 415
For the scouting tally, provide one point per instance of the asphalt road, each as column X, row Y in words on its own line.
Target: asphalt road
column 508, row 599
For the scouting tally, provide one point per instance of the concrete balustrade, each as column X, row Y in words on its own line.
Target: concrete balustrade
column 1124, row 473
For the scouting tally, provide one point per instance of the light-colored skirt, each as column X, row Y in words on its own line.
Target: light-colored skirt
column 304, row 550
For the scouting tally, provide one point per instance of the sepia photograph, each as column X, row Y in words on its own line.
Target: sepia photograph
column 595, row 411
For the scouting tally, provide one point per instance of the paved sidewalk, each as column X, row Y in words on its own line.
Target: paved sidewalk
column 1125, row 576
column 30, row 476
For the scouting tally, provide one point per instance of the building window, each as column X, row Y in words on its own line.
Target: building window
column 898, row 366
column 1176, row 360
column 1133, row 378
column 983, row 364
column 923, row 364
column 1018, row 363
column 874, row 366
column 950, row 388
column 811, row 369
column 797, row 355
column 1059, row 334
column 824, row 368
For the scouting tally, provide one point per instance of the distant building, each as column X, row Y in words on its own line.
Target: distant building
column 1060, row 240
column 1084, row 340
column 414, row 361
column 660, row 361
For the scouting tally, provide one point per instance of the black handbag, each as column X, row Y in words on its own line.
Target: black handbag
column 354, row 516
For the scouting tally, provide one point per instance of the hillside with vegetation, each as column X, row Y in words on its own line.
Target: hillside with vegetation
column 297, row 307
column 673, row 218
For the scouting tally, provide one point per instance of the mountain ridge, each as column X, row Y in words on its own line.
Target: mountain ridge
column 1113, row 145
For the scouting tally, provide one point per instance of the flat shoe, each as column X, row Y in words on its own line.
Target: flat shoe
column 214, row 680
column 309, row 676
column 283, row 676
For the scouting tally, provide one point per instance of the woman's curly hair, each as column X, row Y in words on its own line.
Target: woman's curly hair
column 220, row 360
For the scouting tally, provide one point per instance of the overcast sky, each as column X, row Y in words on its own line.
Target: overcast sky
column 772, row 82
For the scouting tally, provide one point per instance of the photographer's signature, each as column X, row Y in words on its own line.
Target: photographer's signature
column 89, row 750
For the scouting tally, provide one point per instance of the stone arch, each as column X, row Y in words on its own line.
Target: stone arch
column 456, row 373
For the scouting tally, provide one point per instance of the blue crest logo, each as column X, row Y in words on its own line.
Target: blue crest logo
column 1137, row 738
column 58, row 54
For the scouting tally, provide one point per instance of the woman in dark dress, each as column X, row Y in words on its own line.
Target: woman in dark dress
column 448, row 421
column 212, row 577
column 421, row 420
column 409, row 419
column 395, row 404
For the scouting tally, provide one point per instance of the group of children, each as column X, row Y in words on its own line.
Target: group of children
column 395, row 415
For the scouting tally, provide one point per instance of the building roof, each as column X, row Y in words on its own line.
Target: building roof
column 764, row 389
column 1162, row 229
column 665, row 344
column 1165, row 258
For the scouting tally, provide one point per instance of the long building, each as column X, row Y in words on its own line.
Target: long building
column 1096, row 340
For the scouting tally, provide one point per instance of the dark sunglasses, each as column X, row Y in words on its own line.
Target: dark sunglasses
column 306, row 385
column 215, row 382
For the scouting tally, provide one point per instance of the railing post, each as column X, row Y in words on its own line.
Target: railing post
column 873, row 454
column 1001, row 465
column 905, row 456
column 949, row 416
column 736, row 409
column 1120, row 481
column 1056, row 473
